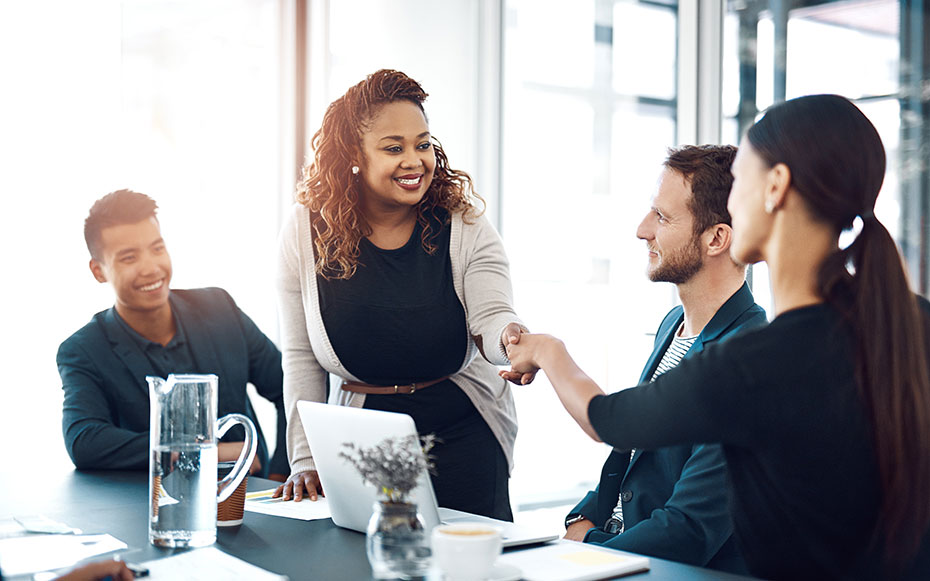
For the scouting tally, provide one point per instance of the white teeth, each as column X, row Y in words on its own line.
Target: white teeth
column 407, row 182
column 151, row 287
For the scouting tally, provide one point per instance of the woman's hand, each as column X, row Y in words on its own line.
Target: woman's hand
column 511, row 336
column 300, row 484
column 524, row 351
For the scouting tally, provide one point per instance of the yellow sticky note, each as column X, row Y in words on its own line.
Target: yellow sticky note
column 591, row 558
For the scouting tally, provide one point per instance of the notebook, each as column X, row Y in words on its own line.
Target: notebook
column 329, row 426
column 571, row 561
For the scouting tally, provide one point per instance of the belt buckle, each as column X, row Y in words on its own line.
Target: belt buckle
column 413, row 388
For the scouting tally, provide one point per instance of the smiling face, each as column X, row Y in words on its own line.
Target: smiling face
column 746, row 204
column 668, row 229
column 399, row 158
column 136, row 262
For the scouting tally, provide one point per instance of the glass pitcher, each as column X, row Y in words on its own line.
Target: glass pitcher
column 183, row 435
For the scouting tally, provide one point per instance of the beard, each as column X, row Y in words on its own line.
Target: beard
column 679, row 265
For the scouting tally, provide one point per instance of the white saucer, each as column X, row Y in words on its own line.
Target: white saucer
column 505, row 572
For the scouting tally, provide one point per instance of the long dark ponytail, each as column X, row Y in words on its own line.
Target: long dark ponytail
column 837, row 165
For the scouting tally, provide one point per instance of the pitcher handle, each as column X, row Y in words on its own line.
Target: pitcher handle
column 228, row 485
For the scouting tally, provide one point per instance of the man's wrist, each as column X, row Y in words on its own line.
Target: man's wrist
column 573, row 518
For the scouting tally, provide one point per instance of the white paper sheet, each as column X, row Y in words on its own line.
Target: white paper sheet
column 207, row 564
column 571, row 561
column 262, row 502
column 33, row 553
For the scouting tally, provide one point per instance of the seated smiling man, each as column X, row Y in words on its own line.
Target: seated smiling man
column 153, row 330
column 671, row 502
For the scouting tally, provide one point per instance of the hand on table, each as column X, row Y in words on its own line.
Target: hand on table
column 577, row 530
column 115, row 570
column 299, row 485
column 511, row 336
column 229, row 452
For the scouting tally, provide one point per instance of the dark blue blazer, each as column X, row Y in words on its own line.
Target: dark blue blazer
column 675, row 504
column 105, row 417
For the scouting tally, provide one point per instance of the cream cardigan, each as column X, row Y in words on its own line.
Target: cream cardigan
column 481, row 277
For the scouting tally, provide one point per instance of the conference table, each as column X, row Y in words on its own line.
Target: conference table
column 115, row 502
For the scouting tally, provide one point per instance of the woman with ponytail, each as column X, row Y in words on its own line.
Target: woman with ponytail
column 824, row 415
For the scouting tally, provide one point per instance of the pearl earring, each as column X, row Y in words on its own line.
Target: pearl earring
column 355, row 170
column 769, row 206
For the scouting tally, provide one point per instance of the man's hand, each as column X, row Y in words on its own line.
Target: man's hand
column 229, row 452
column 577, row 530
column 300, row 485
column 511, row 336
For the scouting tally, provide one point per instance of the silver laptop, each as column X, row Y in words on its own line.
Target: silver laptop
column 329, row 426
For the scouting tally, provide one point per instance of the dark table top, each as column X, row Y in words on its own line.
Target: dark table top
column 115, row 502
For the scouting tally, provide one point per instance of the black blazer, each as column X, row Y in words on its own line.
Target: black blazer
column 105, row 417
column 675, row 498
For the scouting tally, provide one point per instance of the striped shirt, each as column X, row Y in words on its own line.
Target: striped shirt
column 675, row 352
column 672, row 357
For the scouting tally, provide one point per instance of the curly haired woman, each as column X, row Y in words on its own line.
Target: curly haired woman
column 390, row 279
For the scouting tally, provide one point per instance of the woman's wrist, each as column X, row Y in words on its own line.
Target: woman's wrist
column 547, row 351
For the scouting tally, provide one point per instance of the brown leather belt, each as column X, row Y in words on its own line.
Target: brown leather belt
column 407, row 388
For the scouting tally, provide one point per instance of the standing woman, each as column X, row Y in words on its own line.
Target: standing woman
column 824, row 415
column 390, row 279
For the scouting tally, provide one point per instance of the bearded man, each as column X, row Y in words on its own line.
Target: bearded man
column 671, row 502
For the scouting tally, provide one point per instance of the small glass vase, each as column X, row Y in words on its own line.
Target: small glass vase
column 397, row 543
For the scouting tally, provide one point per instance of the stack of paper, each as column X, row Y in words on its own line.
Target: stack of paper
column 207, row 565
column 571, row 561
column 33, row 553
column 262, row 502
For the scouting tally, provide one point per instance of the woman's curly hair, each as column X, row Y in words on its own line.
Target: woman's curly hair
column 332, row 193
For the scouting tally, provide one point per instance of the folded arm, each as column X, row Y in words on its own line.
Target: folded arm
column 92, row 438
column 694, row 522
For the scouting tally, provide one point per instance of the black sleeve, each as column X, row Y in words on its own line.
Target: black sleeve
column 92, row 439
column 710, row 397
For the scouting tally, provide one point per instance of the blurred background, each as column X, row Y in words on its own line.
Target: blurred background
column 562, row 111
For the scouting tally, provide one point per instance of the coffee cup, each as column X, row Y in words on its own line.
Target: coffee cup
column 466, row 551
column 229, row 513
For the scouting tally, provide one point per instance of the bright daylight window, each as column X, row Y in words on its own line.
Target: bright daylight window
column 852, row 48
column 588, row 113
column 181, row 101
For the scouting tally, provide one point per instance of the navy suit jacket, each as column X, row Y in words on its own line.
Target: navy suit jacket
column 105, row 417
column 675, row 498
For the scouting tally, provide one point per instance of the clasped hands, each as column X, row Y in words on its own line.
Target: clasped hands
column 521, row 348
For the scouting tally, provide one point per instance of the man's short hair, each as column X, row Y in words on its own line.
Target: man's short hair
column 706, row 168
column 115, row 209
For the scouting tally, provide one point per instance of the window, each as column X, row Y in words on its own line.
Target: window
column 178, row 100
column 856, row 48
column 589, row 109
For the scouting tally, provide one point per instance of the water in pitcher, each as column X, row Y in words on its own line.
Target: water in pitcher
column 182, row 502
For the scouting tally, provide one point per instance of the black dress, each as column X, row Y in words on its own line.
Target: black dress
column 398, row 320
